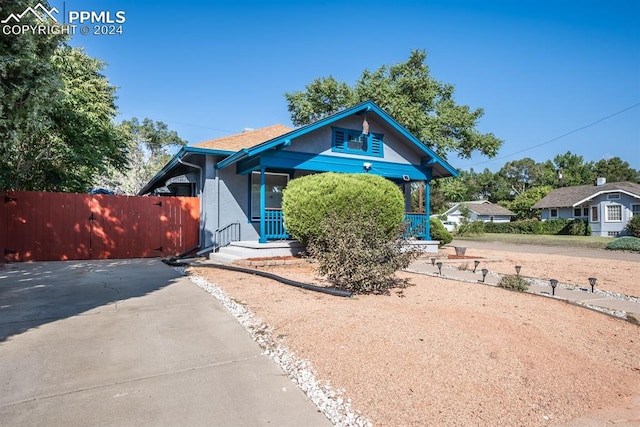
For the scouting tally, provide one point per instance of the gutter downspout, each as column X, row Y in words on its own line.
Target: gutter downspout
column 200, row 191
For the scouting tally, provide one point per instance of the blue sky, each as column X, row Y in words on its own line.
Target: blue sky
column 539, row 69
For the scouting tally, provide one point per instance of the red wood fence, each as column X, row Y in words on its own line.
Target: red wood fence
column 37, row 226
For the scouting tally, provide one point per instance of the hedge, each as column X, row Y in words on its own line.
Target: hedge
column 571, row 227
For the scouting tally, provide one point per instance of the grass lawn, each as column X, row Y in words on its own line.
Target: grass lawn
column 534, row 239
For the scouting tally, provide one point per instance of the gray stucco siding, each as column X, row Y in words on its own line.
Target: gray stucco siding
column 234, row 202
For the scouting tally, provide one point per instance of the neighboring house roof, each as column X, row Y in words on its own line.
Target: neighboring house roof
column 245, row 139
column 482, row 208
column 574, row 196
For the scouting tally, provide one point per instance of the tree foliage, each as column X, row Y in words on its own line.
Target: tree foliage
column 408, row 92
column 56, row 114
column 150, row 146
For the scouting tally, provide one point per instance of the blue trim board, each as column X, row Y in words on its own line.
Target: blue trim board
column 325, row 163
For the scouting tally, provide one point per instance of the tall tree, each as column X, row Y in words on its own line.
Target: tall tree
column 57, row 109
column 150, row 147
column 616, row 170
column 409, row 93
column 572, row 170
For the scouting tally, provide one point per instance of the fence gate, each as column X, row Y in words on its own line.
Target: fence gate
column 36, row 226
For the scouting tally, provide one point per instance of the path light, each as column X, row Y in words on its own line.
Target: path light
column 439, row 264
column 518, row 267
column 433, row 261
column 484, row 274
column 592, row 282
column 475, row 265
column 554, row 283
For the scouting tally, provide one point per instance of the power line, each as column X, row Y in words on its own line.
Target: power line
column 558, row 137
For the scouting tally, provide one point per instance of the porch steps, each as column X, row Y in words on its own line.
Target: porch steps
column 252, row 249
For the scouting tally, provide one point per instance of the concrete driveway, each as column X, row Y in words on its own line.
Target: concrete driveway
column 131, row 342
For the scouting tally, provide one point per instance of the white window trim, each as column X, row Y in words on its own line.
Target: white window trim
column 606, row 212
column 591, row 213
column 551, row 215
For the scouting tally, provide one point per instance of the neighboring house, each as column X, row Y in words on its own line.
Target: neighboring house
column 480, row 210
column 240, row 178
column 607, row 207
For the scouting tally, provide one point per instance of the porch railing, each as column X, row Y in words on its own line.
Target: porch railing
column 274, row 224
column 227, row 234
column 416, row 225
column 275, row 229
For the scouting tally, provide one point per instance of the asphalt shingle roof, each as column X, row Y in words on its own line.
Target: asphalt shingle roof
column 569, row 196
column 489, row 209
column 245, row 139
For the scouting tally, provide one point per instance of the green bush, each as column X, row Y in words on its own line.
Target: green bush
column 438, row 232
column 362, row 259
column 308, row 200
column 573, row 227
column 515, row 283
column 471, row 228
column 626, row 243
column 633, row 226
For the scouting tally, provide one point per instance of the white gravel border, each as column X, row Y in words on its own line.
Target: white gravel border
column 328, row 401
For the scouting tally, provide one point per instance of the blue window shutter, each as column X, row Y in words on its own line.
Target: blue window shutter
column 376, row 145
column 338, row 140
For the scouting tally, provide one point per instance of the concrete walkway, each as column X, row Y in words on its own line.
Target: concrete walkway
column 575, row 295
column 131, row 342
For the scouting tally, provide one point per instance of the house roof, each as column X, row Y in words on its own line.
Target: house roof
column 482, row 207
column 573, row 196
column 438, row 165
column 245, row 139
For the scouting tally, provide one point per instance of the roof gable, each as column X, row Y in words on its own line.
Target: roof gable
column 440, row 167
column 572, row 196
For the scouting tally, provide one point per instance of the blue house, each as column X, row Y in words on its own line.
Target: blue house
column 240, row 178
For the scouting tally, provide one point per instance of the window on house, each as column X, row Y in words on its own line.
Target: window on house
column 553, row 213
column 594, row 214
column 613, row 213
column 612, row 233
column 274, row 183
column 577, row 212
column 613, row 196
column 585, row 211
column 355, row 142
column 635, row 210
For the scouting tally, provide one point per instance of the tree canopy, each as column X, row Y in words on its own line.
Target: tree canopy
column 408, row 92
column 56, row 114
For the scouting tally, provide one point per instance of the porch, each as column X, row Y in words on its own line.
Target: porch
column 417, row 225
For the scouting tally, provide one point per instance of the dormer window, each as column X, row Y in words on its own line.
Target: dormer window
column 355, row 142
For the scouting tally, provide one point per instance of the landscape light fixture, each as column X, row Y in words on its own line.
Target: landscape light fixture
column 433, row 261
column 554, row 283
column 484, row 274
column 475, row 265
column 439, row 264
column 592, row 282
column 518, row 267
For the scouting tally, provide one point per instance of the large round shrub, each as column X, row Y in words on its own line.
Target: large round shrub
column 439, row 233
column 308, row 200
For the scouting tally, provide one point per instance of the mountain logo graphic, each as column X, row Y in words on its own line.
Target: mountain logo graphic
column 39, row 11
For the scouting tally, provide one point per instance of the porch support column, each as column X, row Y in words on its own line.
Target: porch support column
column 427, row 210
column 263, row 206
